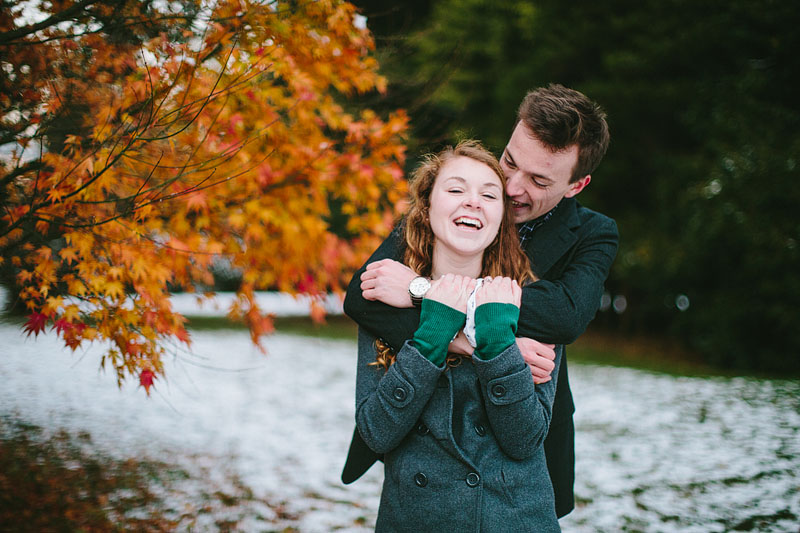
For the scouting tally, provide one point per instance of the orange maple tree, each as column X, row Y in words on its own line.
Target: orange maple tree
column 143, row 146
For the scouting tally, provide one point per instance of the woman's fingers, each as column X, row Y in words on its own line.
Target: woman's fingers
column 499, row 290
column 454, row 290
column 451, row 290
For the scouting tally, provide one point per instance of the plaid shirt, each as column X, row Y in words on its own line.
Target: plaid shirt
column 526, row 229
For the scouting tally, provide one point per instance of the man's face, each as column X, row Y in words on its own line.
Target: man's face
column 537, row 178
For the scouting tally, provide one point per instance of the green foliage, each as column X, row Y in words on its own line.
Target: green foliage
column 702, row 171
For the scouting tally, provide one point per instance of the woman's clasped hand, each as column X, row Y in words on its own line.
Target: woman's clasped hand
column 454, row 290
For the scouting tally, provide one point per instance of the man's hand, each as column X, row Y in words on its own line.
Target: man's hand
column 540, row 357
column 387, row 281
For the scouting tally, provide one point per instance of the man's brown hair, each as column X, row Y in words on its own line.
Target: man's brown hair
column 560, row 117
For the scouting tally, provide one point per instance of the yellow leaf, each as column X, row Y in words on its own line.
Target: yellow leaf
column 237, row 220
column 115, row 272
column 68, row 254
column 115, row 289
column 24, row 276
column 76, row 287
column 71, row 313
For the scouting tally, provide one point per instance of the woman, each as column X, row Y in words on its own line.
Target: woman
column 462, row 438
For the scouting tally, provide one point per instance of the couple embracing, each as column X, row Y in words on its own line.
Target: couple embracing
column 462, row 386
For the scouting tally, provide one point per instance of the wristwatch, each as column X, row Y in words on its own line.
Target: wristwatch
column 417, row 289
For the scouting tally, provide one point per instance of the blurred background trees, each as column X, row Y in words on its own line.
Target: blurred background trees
column 702, row 173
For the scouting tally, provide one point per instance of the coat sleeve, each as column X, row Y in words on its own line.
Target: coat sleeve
column 559, row 310
column 391, row 324
column 389, row 403
column 519, row 411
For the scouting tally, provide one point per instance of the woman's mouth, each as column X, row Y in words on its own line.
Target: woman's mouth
column 468, row 222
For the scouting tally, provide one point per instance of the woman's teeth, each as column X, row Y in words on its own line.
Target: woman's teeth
column 471, row 222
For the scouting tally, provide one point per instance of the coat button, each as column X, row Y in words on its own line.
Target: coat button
column 498, row 390
column 480, row 430
column 473, row 479
column 420, row 479
column 399, row 394
column 422, row 429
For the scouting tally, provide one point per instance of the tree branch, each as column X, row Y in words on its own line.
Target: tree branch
column 13, row 35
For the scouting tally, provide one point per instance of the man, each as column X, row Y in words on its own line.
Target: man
column 558, row 140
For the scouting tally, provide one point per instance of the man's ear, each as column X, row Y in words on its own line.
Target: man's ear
column 578, row 186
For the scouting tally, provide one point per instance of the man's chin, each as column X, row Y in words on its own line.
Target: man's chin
column 522, row 215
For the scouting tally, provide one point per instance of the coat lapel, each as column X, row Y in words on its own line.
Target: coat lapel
column 552, row 240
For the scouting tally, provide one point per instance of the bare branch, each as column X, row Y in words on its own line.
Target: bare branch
column 69, row 13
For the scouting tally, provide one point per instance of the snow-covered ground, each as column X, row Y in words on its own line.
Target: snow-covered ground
column 655, row 453
column 279, row 303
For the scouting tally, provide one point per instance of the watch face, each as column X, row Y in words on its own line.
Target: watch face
column 419, row 286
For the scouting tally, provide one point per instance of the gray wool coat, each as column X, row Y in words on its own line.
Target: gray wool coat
column 571, row 254
column 463, row 446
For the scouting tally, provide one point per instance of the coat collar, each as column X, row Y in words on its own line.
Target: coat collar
column 552, row 240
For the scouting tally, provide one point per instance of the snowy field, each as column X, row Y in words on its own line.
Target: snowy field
column 655, row 453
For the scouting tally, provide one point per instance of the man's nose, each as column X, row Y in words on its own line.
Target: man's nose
column 513, row 184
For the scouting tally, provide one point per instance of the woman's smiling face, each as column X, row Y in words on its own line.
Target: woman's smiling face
column 466, row 206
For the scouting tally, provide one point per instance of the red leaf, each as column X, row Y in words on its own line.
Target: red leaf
column 307, row 285
column 62, row 325
column 35, row 324
column 183, row 335
column 146, row 379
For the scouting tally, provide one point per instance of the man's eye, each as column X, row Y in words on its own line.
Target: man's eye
column 509, row 162
column 540, row 184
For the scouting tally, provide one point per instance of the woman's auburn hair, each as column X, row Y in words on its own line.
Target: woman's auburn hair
column 502, row 258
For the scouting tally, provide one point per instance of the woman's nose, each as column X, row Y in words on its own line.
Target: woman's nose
column 472, row 200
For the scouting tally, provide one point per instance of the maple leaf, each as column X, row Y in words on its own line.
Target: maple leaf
column 61, row 325
column 35, row 324
column 42, row 226
column 52, row 304
column 24, row 276
column 197, row 201
column 146, row 378
column 182, row 335
column 55, row 195
column 115, row 289
column 68, row 254
column 317, row 312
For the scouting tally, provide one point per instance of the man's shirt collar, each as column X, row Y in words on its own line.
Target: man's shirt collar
column 526, row 229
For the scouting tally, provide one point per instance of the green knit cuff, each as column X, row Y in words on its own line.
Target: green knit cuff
column 438, row 324
column 495, row 326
